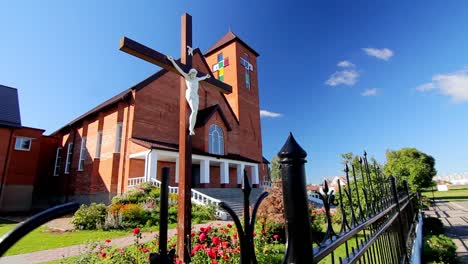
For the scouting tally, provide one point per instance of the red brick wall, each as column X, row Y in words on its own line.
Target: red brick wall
column 22, row 165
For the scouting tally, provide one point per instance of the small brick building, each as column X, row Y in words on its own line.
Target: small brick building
column 23, row 155
column 129, row 138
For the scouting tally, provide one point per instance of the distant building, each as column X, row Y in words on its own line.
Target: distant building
column 454, row 178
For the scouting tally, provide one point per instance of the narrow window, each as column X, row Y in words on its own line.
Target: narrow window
column 23, row 143
column 82, row 154
column 58, row 161
column 215, row 140
column 68, row 161
column 98, row 145
column 118, row 138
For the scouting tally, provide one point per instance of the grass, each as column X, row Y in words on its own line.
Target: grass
column 455, row 193
column 42, row 238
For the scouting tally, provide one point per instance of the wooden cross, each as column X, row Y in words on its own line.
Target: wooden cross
column 185, row 145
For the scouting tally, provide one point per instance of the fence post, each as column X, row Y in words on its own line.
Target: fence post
column 163, row 257
column 400, row 221
column 298, row 235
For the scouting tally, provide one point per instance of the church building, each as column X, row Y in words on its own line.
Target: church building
column 129, row 138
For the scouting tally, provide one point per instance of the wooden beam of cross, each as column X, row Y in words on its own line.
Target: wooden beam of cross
column 185, row 145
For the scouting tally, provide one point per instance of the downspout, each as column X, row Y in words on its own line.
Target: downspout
column 7, row 159
column 125, row 143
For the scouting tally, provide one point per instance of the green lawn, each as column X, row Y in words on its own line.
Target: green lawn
column 42, row 238
column 455, row 193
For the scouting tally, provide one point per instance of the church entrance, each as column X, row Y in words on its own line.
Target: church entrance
column 195, row 175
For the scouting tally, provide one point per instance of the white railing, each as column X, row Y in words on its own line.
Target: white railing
column 203, row 199
column 132, row 182
column 265, row 184
column 197, row 197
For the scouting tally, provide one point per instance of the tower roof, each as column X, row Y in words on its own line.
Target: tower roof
column 9, row 108
column 227, row 39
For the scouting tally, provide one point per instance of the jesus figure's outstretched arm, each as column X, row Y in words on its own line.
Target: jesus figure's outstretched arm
column 176, row 66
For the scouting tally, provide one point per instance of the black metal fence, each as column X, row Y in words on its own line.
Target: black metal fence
column 377, row 222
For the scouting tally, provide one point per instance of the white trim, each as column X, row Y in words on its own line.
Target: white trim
column 82, row 158
column 240, row 173
column 174, row 154
column 205, row 171
column 224, row 172
column 68, row 162
column 255, row 178
column 118, row 137
column 58, row 155
column 139, row 154
column 97, row 155
column 20, row 145
column 151, row 163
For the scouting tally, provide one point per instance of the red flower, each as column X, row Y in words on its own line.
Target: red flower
column 215, row 240
column 275, row 236
column 103, row 254
column 225, row 244
column 211, row 253
column 263, row 231
column 225, row 257
column 145, row 250
column 136, row 231
column 254, row 234
column 234, row 236
column 202, row 237
column 121, row 250
column 214, row 262
column 192, row 234
column 202, row 229
column 108, row 240
column 229, row 225
column 179, row 261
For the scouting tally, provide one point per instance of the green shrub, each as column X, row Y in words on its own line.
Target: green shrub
column 439, row 248
column 133, row 215
column 89, row 217
column 433, row 226
column 202, row 213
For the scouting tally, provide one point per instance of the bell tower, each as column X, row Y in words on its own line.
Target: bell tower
column 235, row 63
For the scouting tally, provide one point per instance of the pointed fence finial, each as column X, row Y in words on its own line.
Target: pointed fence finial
column 346, row 169
column 291, row 150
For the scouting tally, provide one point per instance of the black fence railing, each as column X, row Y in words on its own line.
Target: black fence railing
column 377, row 223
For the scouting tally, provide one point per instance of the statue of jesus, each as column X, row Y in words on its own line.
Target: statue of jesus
column 191, row 94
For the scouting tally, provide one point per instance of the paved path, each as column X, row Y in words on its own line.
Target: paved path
column 65, row 252
column 454, row 215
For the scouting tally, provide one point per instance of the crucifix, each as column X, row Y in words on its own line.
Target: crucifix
column 188, row 86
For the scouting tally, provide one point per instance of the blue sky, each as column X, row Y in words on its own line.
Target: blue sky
column 402, row 80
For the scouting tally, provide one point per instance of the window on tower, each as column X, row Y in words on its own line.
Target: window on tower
column 216, row 140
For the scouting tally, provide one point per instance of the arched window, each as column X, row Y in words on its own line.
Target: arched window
column 216, row 140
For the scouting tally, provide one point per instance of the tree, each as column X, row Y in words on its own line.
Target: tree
column 412, row 165
column 275, row 174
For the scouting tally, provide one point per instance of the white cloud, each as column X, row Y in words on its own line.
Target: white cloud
column 265, row 113
column 425, row 87
column 345, row 64
column 369, row 92
column 345, row 77
column 454, row 85
column 383, row 54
